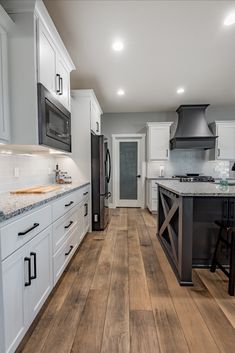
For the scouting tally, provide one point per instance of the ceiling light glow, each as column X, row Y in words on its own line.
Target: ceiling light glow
column 230, row 19
column 180, row 90
column 121, row 92
column 118, row 45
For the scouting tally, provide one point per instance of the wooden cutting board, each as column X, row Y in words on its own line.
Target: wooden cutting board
column 37, row 190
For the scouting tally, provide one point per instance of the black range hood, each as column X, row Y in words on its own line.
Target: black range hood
column 192, row 129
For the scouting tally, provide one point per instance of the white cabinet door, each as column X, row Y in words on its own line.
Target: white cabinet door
column 63, row 82
column 226, row 141
column 46, row 59
column 14, row 277
column 27, row 281
column 158, row 142
column 95, row 119
column 40, row 252
column 4, row 103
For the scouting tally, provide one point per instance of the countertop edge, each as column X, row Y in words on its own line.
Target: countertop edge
column 20, row 211
column 195, row 194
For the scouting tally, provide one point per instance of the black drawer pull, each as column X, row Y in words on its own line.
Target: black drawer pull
column 29, row 230
column 85, row 193
column 69, row 204
column 69, row 225
column 34, row 264
column 86, row 209
column 28, row 283
column 71, row 248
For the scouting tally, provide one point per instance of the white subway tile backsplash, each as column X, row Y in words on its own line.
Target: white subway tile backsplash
column 182, row 162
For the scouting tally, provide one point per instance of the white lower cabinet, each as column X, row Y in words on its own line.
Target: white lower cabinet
column 26, row 282
column 152, row 196
column 33, row 263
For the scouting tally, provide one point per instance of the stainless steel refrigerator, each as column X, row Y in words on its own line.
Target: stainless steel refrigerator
column 100, row 177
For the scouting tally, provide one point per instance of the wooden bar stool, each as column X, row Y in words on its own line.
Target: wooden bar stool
column 227, row 227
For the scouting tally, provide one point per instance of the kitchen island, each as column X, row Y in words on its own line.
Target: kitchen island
column 186, row 228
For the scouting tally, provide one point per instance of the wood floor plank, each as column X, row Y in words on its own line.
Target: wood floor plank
column 116, row 337
column 215, row 286
column 138, row 289
column 170, row 334
column 90, row 329
column 89, row 334
column 196, row 332
column 143, row 332
column 219, row 325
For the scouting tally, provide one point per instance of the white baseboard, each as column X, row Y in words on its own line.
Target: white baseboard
column 111, row 205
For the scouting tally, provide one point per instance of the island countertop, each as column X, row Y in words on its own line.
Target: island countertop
column 12, row 205
column 196, row 189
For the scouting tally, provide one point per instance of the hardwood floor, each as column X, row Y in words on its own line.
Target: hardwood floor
column 119, row 295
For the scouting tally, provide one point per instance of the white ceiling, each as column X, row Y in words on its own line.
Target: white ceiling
column 167, row 44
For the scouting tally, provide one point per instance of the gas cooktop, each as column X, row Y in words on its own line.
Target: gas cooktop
column 193, row 178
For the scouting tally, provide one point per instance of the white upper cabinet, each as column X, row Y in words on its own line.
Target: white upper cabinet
column 46, row 59
column 36, row 54
column 225, row 142
column 63, row 82
column 53, row 71
column 158, row 141
column 5, row 25
column 95, row 117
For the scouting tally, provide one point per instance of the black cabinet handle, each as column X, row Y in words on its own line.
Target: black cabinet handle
column 69, row 225
column 97, row 126
column 85, row 193
column 71, row 248
column 86, row 209
column 138, row 176
column 69, row 204
column 34, row 265
column 57, row 83
column 28, row 230
column 61, row 86
column 28, row 283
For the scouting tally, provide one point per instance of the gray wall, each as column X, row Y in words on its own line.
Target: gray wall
column 121, row 123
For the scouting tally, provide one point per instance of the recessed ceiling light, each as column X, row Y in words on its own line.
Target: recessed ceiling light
column 118, row 45
column 180, row 90
column 121, row 92
column 230, row 19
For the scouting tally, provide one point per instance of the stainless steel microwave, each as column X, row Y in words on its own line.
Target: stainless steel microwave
column 54, row 121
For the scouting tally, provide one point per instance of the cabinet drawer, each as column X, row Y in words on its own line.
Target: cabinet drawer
column 63, row 227
column 17, row 233
column 62, row 206
column 64, row 254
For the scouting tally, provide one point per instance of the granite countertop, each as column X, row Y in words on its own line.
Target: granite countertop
column 196, row 189
column 12, row 205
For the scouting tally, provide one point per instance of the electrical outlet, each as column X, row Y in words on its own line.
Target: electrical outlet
column 16, row 172
column 49, row 170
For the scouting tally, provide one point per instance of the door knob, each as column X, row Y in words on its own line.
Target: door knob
column 138, row 176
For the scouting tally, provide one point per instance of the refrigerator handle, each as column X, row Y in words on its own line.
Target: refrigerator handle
column 109, row 174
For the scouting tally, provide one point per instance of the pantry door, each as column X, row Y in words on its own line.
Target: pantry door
column 129, row 173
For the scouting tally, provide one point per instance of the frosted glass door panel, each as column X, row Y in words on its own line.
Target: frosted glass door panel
column 128, row 170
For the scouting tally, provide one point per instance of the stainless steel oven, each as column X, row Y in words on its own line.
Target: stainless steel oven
column 54, row 121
